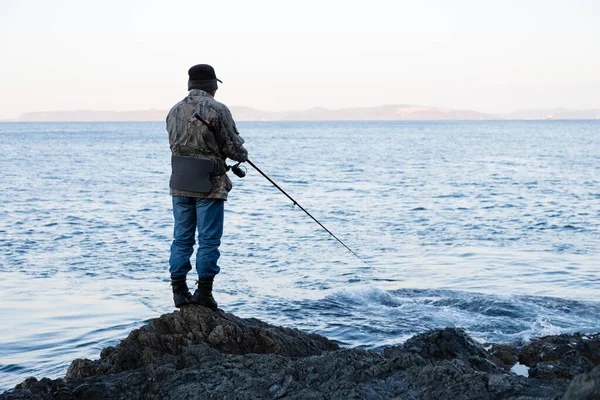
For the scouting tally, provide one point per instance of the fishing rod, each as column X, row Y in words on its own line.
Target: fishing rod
column 241, row 173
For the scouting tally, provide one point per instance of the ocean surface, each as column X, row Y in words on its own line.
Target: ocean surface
column 489, row 226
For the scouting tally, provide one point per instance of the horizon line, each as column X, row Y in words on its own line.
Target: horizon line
column 386, row 112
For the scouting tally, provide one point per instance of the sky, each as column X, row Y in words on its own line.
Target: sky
column 486, row 55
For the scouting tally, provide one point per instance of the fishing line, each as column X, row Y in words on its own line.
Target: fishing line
column 241, row 173
column 307, row 213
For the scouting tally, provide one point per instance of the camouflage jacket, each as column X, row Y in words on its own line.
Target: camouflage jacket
column 190, row 137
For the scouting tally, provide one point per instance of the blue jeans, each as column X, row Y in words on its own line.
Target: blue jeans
column 207, row 216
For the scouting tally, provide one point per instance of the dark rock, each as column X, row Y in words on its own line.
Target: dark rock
column 343, row 374
column 504, row 355
column 585, row 386
column 567, row 367
column 171, row 333
column 27, row 383
column 451, row 344
column 197, row 353
column 561, row 356
column 445, row 344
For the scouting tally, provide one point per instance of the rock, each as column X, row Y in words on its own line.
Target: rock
column 585, row 386
column 27, row 383
column 445, row 344
column 448, row 344
column 561, row 356
column 197, row 353
column 171, row 333
column 505, row 356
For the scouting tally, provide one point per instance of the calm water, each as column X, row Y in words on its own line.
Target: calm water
column 490, row 226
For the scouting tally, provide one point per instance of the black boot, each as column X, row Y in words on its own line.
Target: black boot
column 181, row 293
column 203, row 295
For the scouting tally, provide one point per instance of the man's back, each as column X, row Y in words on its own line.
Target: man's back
column 202, row 135
column 213, row 136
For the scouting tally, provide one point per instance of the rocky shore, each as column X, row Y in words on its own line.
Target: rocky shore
column 197, row 353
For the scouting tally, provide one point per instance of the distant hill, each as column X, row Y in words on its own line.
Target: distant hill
column 384, row 113
column 93, row 115
column 381, row 113
column 554, row 113
column 251, row 114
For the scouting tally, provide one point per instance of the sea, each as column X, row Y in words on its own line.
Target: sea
column 490, row 226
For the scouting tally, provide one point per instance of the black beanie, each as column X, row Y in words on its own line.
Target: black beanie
column 202, row 76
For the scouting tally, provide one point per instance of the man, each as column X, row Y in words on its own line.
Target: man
column 202, row 134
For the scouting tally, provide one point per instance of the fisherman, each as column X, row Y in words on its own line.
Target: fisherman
column 202, row 135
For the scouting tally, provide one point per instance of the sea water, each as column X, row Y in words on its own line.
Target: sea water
column 491, row 226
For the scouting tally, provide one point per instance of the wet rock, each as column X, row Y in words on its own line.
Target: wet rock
column 27, row 383
column 561, row 356
column 445, row 344
column 197, row 353
column 450, row 344
column 585, row 386
column 505, row 356
column 171, row 333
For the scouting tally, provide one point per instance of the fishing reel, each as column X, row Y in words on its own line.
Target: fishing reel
column 237, row 170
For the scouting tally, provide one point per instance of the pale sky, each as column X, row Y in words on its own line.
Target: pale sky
column 490, row 56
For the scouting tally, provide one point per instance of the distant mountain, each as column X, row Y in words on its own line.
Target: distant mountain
column 251, row 114
column 382, row 113
column 93, row 115
column 554, row 113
